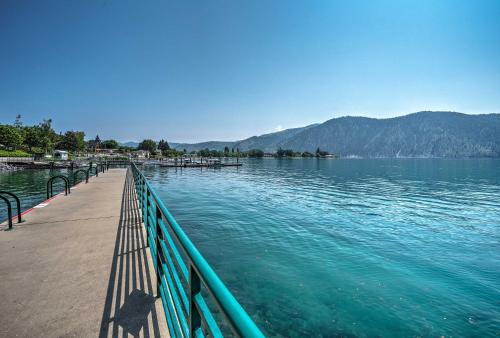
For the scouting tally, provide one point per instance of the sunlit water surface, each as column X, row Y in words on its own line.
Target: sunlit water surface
column 325, row 248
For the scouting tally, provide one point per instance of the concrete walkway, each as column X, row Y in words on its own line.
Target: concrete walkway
column 79, row 267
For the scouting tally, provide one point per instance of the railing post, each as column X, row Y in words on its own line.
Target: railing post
column 9, row 210
column 146, row 216
column 158, row 249
column 194, row 289
column 18, row 204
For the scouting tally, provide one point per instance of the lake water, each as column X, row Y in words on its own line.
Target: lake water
column 325, row 248
column 30, row 186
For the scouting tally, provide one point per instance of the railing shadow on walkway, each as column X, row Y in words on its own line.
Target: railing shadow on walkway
column 130, row 300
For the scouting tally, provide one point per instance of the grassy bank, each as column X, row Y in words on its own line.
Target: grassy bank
column 13, row 153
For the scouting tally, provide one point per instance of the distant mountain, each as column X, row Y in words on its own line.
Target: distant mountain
column 130, row 144
column 267, row 142
column 422, row 134
column 212, row 145
column 272, row 141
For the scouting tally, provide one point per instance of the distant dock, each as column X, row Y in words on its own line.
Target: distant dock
column 199, row 165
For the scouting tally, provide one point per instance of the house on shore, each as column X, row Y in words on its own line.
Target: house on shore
column 61, row 155
column 140, row 154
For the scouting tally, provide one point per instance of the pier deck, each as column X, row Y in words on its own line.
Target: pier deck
column 80, row 267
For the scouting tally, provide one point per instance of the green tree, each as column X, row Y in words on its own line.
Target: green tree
column 163, row 146
column 72, row 141
column 171, row 153
column 226, row 150
column 148, row 145
column 320, row 153
column 48, row 137
column 255, row 153
column 17, row 122
column 110, row 144
column 10, row 137
column 280, row 152
column 204, row 152
column 33, row 136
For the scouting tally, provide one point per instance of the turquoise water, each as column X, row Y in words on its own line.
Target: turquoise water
column 326, row 248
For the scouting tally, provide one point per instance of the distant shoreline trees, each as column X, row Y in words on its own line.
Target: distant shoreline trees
column 41, row 139
column 38, row 139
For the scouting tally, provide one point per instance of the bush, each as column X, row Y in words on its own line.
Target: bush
column 13, row 153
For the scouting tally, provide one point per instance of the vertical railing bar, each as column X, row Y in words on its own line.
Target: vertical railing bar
column 177, row 329
column 178, row 284
column 158, row 248
column 179, row 313
column 173, row 247
column 194, row 289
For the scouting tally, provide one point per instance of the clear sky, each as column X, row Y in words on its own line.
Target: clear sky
column 225, row 70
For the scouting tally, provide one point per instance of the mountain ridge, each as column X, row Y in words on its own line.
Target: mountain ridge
column 420, row 134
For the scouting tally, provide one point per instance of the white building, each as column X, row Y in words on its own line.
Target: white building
column 140, row 154
column 61, row 155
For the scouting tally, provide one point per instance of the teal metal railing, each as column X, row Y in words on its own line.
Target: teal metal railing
column 181, row 272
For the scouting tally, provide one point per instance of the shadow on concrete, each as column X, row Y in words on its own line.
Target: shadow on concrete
column 130, row 301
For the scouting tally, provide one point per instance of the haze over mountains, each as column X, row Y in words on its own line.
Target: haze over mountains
column 422, row 134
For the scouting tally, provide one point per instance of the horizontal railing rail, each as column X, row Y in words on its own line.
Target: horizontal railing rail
column 180, row 280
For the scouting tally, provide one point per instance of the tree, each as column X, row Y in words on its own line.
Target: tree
column 73, row 141
column 10, row 137
column 204, row 152
column 320, row 153
column 110, row 144
column 17, row 122
column 255, row 153
column 48, row 136
column 33, row 136
column 171, row 153
column 226, row 150
column 163, row 146
column 148, row 145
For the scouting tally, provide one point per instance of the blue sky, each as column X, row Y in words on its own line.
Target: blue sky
column 224, row 70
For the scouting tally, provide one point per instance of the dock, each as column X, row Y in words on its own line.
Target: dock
column 79, row 266
column 200, row 165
